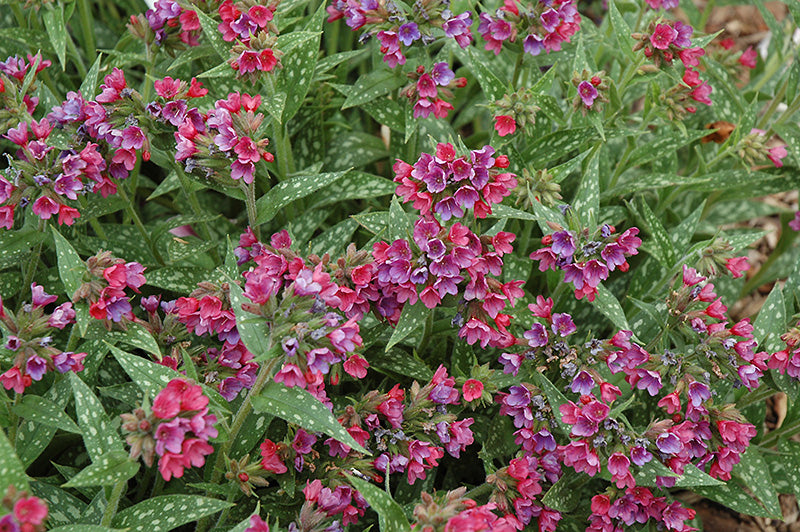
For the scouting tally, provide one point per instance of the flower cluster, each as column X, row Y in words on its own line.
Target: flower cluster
column 223, row 145
column 22, row 513
column 393, row 27
column 585, row 259
column 116, row 121
column 734, row 62
column 250, row 26
column 452, row 512
column 108, row 277
column 787, row 361
column 516, row 487
column 637, row 505
column 46, row 177
column 542, row 27
column 207, row 310
column 441, row 260
column 30, row 339
column 663, row 4
column 175, row 93
column 449, row 185
column 299, row 300
column 754, row 148
column 176, row 429
column 168, row 26
column 592, row 87
column 425, row 89
column 515, row 109
column 16, row 107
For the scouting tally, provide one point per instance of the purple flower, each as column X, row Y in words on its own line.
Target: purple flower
column 448, row 208
column 683, row 39
column 408, row 33
column 594, row 272
column 511, row 362
column 669, row 443
column 442, row 74
column 536, row 335
column 62, row 316
column 169, row 436
column 118, row 308
column 532, row 45
column 13, row 343
column 458, row 28
column 8, row 523
column 563, row 243
column 36, row 367
column 640, row 455
column 303, row 441
column 563, row 324
column 582, row 383
column 39, row 297
column 698, row 392
column 587, row 92
column 550, row 20
column 649, row 380
column 230, row 387
column 466, row 196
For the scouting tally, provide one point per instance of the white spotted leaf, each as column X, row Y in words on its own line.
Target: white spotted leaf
column 99, row 434
column 212, row 35
column 622, row 31
column 770, row 322
column 753, row 470
column 399, row 224
column 32, row 437
column 390, row 515
column 287, row 191
column 83, row 528
column 57, row 31
column 89, row 83
column 63, row 508
column 252, row 329
column 11, row 471
column 109, row 469
column 411, row 319
column 167, row 512
column 692, row 476
column 297, row 406
column 371, row 86
column 152, row 377
column 504, row 211
column 298, row 67
column 587, row 199
column 609, row 305
column 554, row 397
column 45, row 412
column 70, row 266
column 731, row 495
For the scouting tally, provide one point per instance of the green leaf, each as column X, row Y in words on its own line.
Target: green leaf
column 298, row 67
column 587, row 199
column 753, row 470
column 32, row 437
column 11, row 471
column 666, row 143
column 493, row 88
column 335, row 239
column 167, row 512
column 556, row 145
column 109, row 469
column 83, row 528
column 353, row 150
column 355, row 185
column 607, row 303
column 504, row 211
column 554, row 397
column 251, row 434
column 297, row 406
column 45, row 412
column 371, row 86
column 563, row 495
column 70, row 266
column 622, row 31
column 57, row 31
column 401, row 363
column 731, row 495
column 99, row 434
column 252, row 329
column 411, row 319
column 771, row 322
column 63, row 508
column 390, row 515
column 178, row 279
column 14, row 245
column 152, row 377
column 398, row 224
column 692, row 476
column 664, row 251
column 212, row 35
column 286, row 192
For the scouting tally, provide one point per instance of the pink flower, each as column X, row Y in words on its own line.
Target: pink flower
column 748, row 58
column 737, row 265
column 663, row 36
column 30, row 510
column 505, row 125
column 256, row 523
column 472, row 389
column 171, row 465
column 270, row 459
column 356, row 366
column 776, row 154
column 44, row 207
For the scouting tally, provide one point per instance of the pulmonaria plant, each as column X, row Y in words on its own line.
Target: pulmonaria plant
column 226, row 143
column 176, row 428
column 250, row 26
column 592, row 91
column 541, row 25
column 515, row 109
column 103, row 288
column 167, row 26
column 449, row 185
column 587, row 258
column 29, row 341
column 755, row 147
column 15, row 105
column 425, row 89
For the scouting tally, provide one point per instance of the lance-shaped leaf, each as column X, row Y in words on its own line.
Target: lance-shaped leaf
column 390, row 515
column 45, row 412
column 109, row 469
column 167, row 512
column 286, row 192
column 70, row 266
column 297, row 406
column 252, row 329
column 99, row 434
column 11, row 471
column 212, row 35
column 412, row 318
column 57, row 31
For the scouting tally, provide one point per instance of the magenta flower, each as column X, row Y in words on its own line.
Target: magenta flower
column 663, row 36
column 587, row 92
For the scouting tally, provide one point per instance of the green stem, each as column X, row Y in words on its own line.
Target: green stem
column 283, row 150
column 113, row 503
column 87, row 31
column 78, row 57
column 706, row 13
column 250, row 204
column 138, row 223
column 13, row 420
column 426, row 335
column 518, row 67
column 98, row 229
column 477, row 491
column 33, row 262
column 22, row 22
column 186, row 186
column 226, row 511
column 776, row 101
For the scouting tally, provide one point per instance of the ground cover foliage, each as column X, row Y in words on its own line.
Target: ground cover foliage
column 306, row 266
